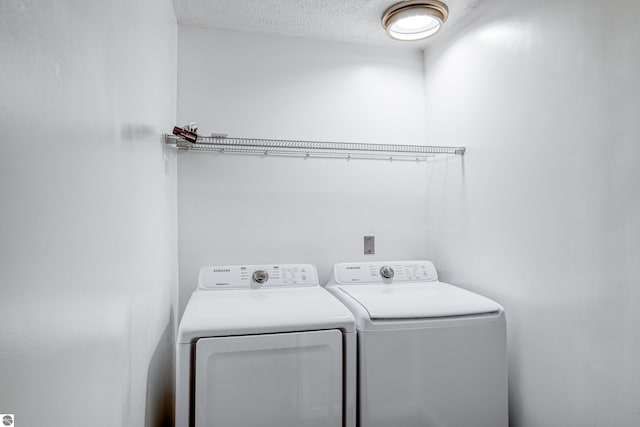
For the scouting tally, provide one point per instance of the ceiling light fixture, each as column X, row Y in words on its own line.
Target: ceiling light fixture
column 414, row 19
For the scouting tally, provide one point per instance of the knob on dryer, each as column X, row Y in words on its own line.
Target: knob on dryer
column 260, row 276
column 387, row 272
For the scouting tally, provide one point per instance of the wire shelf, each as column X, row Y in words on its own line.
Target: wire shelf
column 319, row 149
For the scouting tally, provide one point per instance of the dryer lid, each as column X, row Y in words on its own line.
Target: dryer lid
column 418, row 300
column 234, row 312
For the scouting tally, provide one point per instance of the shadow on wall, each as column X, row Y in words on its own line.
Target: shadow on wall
column 131, row 132
column 160, row 384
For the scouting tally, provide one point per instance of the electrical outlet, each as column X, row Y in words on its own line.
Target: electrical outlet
column 369, row 245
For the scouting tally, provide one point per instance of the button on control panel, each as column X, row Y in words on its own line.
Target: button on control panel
column 257, row 276
column 386, row 272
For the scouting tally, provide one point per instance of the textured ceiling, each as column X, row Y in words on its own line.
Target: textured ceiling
column 343, row 20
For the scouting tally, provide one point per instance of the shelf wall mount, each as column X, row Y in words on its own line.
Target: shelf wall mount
column 308, row 149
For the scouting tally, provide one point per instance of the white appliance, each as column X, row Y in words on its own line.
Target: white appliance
column 429, row 354
column 265, row 345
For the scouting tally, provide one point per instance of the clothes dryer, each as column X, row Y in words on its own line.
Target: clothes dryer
column 265, row 345
column 429, row 354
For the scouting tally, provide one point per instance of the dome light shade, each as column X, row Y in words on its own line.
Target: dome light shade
column 414, row 20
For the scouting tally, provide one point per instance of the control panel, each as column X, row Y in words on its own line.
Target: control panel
column 386, row 272
column 257, row 276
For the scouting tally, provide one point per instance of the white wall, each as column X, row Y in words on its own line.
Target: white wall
column 268, row 210
column 545, row 217
column 87, row 224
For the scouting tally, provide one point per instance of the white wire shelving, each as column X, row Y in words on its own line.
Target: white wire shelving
column 308, row 149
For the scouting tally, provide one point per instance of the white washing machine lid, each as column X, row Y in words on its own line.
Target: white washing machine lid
column 418, row 300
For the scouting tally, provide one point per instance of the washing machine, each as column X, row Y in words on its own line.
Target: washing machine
column 429, row 354
column 265, row 345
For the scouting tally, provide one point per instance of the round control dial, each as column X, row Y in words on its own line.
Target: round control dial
column 260, row 276
column 387, row 272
